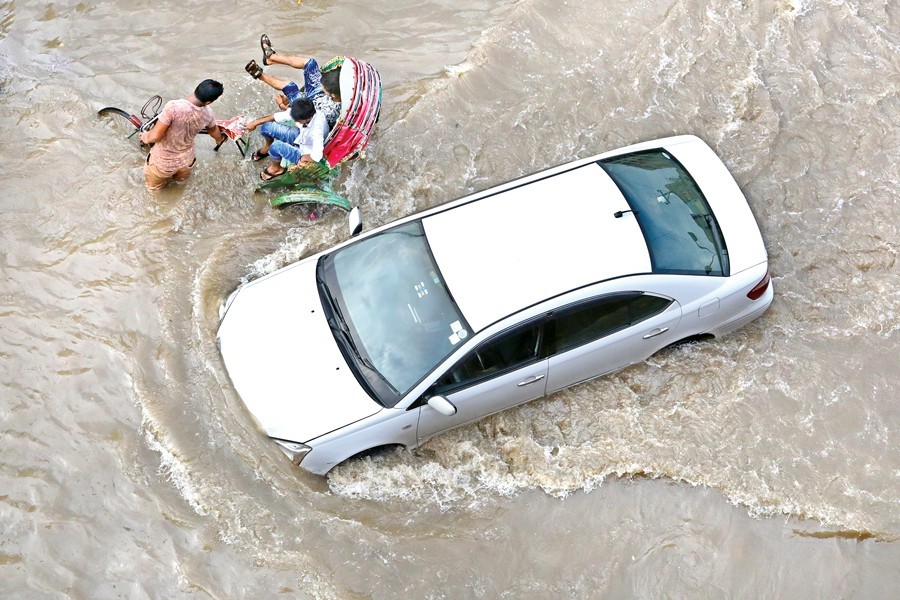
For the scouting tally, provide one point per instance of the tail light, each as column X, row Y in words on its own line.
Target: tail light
column 760, row 288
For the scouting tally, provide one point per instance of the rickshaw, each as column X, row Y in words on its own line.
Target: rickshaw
column 311, row 184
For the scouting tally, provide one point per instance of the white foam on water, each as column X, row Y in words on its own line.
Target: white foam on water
column 173, row 468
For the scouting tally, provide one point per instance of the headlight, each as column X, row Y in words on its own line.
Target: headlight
column 294, row 450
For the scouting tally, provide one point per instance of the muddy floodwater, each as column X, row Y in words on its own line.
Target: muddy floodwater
column 760, row 465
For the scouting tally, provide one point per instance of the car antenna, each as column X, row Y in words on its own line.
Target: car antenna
column 618, row 214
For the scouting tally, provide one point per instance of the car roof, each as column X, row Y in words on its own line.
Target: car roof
column 555, row 232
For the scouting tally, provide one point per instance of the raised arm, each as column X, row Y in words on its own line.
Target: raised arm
column 257, row 122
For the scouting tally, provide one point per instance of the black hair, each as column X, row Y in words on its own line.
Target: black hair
column 208, row 91
column 331, row 81
column 302, row 108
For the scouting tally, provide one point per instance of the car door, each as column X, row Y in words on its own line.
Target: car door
column 604, row 334
column 505, row 370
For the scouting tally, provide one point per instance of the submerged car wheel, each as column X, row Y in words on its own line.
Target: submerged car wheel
column 693, row 339
column 376, row 453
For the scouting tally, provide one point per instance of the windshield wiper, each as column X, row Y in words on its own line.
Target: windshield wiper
column 334, row 317
column 371, row 366
column 341, row 328
column 332, row 301
column 339, row 325
column 345, row 340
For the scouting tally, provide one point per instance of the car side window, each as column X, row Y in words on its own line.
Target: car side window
column 588, row 321
column 500, row 354
column 647, row 305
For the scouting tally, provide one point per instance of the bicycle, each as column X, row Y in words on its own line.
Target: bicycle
column 132, row 125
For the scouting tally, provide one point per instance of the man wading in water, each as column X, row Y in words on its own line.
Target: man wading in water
column 173, row 156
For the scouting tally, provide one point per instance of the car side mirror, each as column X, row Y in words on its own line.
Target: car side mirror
column 442, row 405
column 354, row 221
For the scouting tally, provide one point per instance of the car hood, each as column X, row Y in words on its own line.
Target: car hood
column 283, row 360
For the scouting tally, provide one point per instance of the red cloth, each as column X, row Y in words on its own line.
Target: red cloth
column 233, row 127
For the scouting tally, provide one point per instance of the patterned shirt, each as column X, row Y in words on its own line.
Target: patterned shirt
column 328, row 107
column 176, row 148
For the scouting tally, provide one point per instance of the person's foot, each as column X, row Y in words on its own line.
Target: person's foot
column 267, row 50
column 268, row 175
column 254, row 69
column 259, row 155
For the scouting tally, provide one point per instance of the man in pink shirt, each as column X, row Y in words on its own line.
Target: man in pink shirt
column 173, row 155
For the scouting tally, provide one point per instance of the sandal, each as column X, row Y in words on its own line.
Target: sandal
column 265, row 175
column 254, row 69
column 257, row 156
column 266, row 46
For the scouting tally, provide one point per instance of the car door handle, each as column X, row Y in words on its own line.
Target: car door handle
column 531, row 380
column 656, row 333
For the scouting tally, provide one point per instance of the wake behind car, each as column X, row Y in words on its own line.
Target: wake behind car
column 495, row 299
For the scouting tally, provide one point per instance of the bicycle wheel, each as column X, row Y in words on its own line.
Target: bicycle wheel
column 123, row 123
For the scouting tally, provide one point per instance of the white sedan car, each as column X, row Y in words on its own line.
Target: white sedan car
column 495, row 299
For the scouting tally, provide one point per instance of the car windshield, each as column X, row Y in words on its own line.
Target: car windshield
column 399, row 314
column 681, row 231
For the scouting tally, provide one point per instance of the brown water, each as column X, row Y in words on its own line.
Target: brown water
column 764, row 464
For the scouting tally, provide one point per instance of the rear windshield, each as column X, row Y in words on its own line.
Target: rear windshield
column 681, row 232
